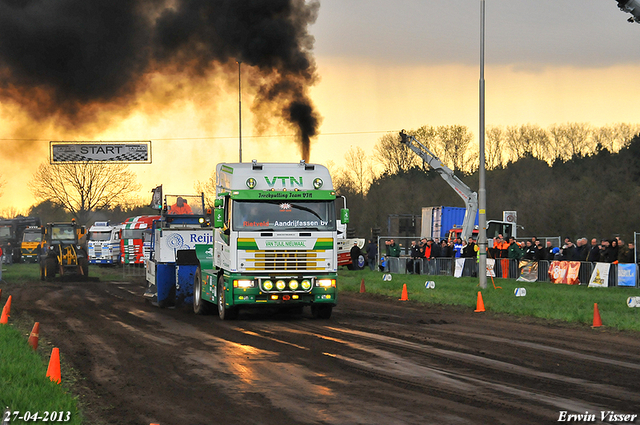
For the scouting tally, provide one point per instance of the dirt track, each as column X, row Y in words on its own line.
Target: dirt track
column 376, row 361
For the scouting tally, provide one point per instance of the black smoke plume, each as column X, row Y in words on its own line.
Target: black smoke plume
column 73, row 59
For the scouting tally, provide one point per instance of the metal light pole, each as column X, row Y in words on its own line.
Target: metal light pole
column 482, row 191
column 239, row 113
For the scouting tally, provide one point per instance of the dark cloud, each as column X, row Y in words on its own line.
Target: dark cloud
column 62, row 57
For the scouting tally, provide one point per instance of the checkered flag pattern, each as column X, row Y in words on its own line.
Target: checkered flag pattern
column 75, row 157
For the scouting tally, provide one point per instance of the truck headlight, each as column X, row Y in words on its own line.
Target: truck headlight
column 293, row 284
column 267, row 285
column 306, row 284
column 280, row 285
column 326, row 283
column 244, row 283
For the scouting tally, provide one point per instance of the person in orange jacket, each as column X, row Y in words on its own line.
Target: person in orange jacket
column 180, row 207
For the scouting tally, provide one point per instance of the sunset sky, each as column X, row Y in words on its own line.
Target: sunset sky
column 383, row 66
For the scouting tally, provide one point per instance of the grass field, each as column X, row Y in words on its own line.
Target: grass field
column 569, row 303
column 24, row 386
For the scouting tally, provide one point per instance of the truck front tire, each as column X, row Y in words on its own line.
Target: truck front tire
column 200, row 306
column 49, row 268
column 223, row 312
column 321, row 311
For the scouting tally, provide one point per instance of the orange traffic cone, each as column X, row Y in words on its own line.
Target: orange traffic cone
column 480, row 303
column 362, row 288
column 405, row 295
column 33, row 338
column 53, row 371
column 6, row 312
column 597, row 322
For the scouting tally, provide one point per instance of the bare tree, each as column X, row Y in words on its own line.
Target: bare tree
column 615, row 136
column 455, row 141
column 494, row 147
column 526, row 140
column 207, row 187
column 358, row 169
column 83, row 188
column 570, row 139
column 393, row 156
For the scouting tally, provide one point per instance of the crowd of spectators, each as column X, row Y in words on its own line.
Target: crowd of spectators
column 607, row 251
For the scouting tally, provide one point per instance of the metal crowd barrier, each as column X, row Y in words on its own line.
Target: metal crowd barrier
column 504, row 268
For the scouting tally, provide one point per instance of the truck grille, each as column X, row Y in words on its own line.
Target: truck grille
column 275, row 260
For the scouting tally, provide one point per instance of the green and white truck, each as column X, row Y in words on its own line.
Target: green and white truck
column 274, row 240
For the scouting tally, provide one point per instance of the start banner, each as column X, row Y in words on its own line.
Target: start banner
column 564, row 272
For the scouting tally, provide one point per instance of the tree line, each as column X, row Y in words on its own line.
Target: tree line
column 568, row 180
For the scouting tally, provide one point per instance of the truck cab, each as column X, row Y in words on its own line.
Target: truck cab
column 103, row 243
column 274, row 242
column 32, row 242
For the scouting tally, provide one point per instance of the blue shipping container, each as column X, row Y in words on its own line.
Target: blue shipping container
column 437, row 221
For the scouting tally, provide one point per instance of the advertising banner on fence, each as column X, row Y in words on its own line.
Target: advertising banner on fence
column 491, row 267
column 627, row 274
column 504, row 266
column 564, row 272
column 600, row 276
column 459, row 267
column 528, row 271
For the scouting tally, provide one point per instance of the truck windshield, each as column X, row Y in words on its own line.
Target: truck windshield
column 132, row 233
column 282, row 216
column 32, row 237
column 63, row 234
column 5, row 232
column 99, row 236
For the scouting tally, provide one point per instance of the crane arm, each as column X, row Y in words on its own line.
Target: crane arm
column 469, row 197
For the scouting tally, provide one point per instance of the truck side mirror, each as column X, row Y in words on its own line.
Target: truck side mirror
column 218, row 203
column 218, row 218
column 344, row 215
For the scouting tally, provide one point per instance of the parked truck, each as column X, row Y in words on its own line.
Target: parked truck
column 103, row 245
column 32, row 242
column 11, row 236
column 344, row 243
column 135, row 239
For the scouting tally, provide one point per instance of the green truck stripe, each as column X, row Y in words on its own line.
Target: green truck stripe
column 247, row 245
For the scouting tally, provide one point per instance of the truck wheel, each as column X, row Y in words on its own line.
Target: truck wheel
column 49, row 268
column 321, row 311
column 200, row 306
column 223, row 312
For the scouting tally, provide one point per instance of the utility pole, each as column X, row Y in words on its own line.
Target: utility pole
column 482, row 191
column 239, row 113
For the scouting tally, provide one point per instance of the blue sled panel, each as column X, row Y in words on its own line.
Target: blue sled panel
column 184, row 287
column 166, row 282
